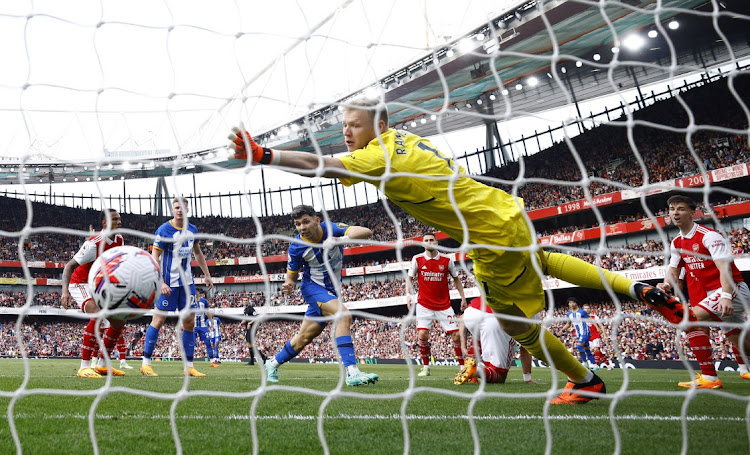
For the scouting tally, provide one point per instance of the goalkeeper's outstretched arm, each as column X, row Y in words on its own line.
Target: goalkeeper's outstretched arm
column 301, row 161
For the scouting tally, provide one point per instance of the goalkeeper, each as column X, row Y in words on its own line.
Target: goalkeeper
column 441, row 194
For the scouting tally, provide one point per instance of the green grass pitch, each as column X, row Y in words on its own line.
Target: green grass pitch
column 645, row 411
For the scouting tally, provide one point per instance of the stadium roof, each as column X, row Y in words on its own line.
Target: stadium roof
column 515, row 46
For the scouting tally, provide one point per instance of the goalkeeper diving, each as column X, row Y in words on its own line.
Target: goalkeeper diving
column 441, row 194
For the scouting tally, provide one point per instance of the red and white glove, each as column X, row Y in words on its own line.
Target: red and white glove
column 241, row 140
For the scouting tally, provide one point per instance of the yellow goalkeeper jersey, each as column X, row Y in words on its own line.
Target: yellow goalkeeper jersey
column 492, row 216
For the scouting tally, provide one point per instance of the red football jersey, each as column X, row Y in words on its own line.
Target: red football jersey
column 432, row 276
column 89, row 252
column 592, row 327
column 697, row 251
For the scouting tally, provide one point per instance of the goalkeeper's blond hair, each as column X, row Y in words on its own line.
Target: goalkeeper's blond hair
column 378, row 110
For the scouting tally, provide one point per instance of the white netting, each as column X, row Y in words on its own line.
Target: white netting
column 625, row 101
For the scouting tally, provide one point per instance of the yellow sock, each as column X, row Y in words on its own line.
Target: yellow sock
column 563, row 359
column 580, row 272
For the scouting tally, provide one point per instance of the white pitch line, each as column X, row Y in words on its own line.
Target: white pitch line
column 701, row 418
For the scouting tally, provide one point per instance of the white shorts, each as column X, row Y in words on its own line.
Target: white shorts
column 711, row 304
column 447, row 319
column 596, row 343
column 80, row 293
column 498, row 348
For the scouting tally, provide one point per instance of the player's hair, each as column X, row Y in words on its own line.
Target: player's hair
column 677, row 198
column 200, row 291
column 429, row 233
column 372, row 105
column 106, row 212
column 572, row 299
column 182, row 200
column 302, row 210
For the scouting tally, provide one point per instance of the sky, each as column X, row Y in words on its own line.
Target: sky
column 82, row 78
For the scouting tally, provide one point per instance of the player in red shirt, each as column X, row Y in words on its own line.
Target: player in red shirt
column 715, row 285
column 496, row 348
column 75, row 288
column 595, row 340
column 430, row 270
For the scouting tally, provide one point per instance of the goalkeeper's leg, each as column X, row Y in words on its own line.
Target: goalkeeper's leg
column 584, row 274
column 525, row 291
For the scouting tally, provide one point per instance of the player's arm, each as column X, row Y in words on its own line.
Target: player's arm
column 671, row 279
column 290, row 283
column 672, row 275
column 201, row 260
column 460, row 288
column 526, row 366
column 727, row 286
column 246, row 148
column 462, row 335
column 411, row 293
column 358, row 233
column 156, row 253
column 85, row 255
column 65, row 297
column 457, row 283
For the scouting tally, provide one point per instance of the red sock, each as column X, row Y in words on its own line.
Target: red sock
column 122, row 348
column 110, row 338
column 494, row 374
column 738, row 355
column 424, row 351
column 704, row 354
column 89, row 341
column 599, row 356
column 459, row 352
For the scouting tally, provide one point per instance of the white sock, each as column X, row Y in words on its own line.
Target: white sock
column 189, row 364
column 85, row 364
column 527, row 376
column 274, row 363
column 94, row 362
column 634, row 294
column 589, row 377
column 146, row 361
column 742, row 368
column 352, row 370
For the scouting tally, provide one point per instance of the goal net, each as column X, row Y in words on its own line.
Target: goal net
column 593, row 113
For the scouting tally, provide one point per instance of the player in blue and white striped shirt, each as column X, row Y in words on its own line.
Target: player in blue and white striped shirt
column 202, row 323
column 321, row 277
column 174, row 245
column 578, row 318
column 215, row 332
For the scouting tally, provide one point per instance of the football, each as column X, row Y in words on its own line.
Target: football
column 125, row 277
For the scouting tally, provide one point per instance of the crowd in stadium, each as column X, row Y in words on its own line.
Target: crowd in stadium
column 640, row 256
column 665, row 155
column 374, row 338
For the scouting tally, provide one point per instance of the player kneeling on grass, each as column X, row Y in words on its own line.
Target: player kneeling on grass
column 496, row 348
column 75, row 288
column 318, row 289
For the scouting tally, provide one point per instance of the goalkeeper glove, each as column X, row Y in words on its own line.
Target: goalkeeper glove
column 240, row 141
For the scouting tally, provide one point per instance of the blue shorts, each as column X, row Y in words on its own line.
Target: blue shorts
column 202, row 332
column 315, row 295
column 583, row 340
column 177, row 300
column 215, row 341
